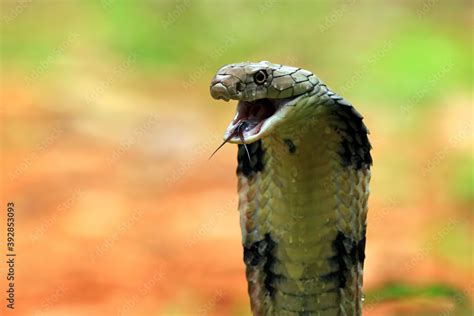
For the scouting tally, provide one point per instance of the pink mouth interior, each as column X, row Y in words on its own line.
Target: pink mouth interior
column 252, row 115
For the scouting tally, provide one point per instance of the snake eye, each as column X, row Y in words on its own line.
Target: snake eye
column 260, row 77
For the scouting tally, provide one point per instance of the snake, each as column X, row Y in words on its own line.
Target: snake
column 303, row 168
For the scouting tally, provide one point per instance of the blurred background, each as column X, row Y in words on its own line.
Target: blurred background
column 107, row 124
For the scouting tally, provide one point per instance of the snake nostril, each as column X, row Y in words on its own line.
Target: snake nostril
column 240, row 86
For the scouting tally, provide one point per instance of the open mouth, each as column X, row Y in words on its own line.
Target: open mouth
column 253, row 118
column 250, row 116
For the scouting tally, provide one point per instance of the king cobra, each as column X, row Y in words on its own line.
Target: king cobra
column 303, row 182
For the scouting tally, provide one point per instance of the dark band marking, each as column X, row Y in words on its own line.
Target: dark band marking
column 345, row 258
column 260, row 254
column 291, row 145
column 246, row 167
column 355, row 142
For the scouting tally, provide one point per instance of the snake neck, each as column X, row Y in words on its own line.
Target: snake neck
column 303, row 205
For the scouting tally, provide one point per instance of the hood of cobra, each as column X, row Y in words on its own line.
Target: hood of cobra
column 266, row 93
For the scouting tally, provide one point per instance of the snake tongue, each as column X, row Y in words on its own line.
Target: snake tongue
column 249, row 119
column 236, row 132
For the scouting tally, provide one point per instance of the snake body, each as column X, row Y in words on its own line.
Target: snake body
column 302, row 192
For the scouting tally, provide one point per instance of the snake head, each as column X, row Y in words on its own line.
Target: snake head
column 265, row 92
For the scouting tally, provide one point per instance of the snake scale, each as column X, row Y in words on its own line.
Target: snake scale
column 303, row 183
